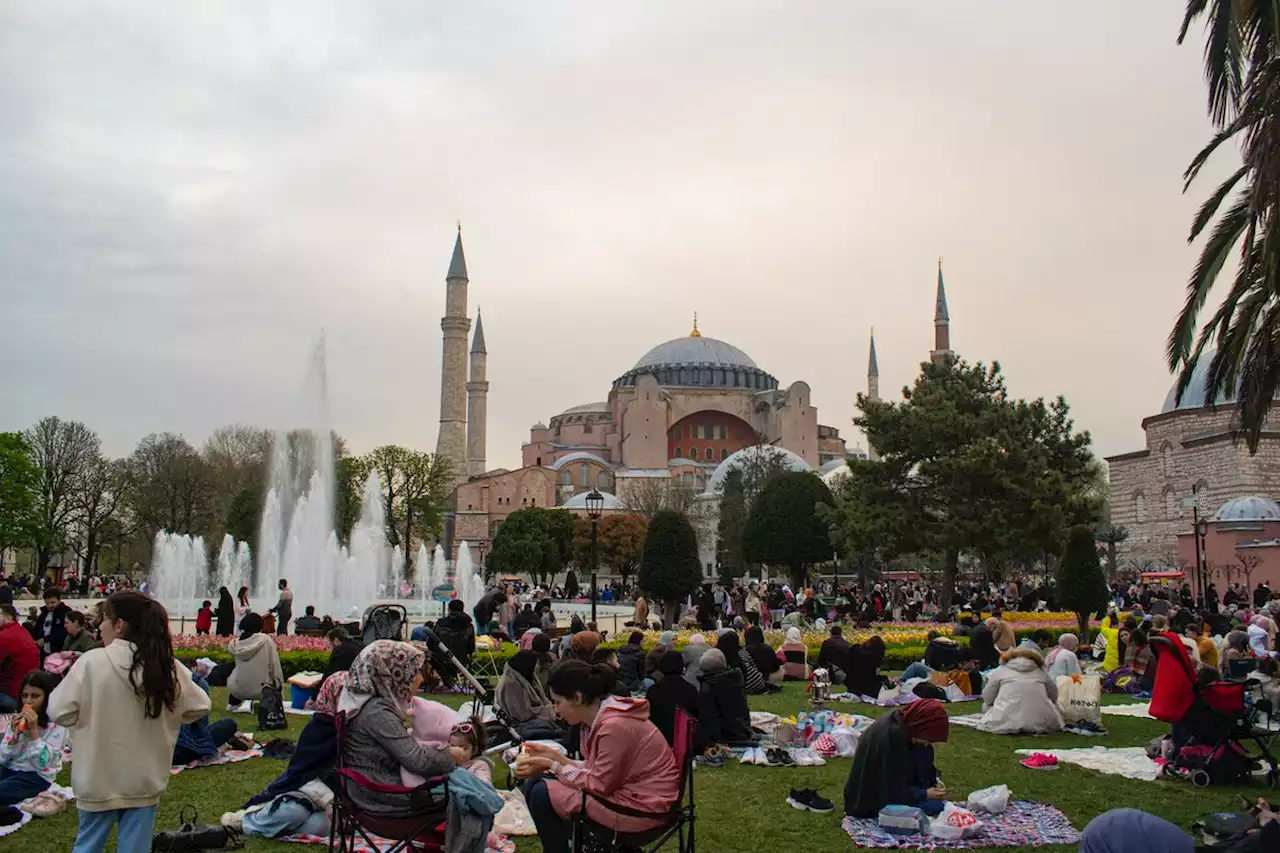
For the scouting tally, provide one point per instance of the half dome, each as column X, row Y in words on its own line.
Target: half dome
column 736, row 461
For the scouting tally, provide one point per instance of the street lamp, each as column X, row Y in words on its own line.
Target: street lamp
column 595, row 505
column 480, row 547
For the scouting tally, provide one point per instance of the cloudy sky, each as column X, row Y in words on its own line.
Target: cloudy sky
column 190, row 192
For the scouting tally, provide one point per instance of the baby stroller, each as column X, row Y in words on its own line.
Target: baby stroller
column 1209, row 721
column 384, row 622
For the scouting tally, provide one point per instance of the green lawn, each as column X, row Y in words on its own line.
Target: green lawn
column 742, row 808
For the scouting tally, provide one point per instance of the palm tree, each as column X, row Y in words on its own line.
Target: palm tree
column 1242, row 70
column 1111, row 535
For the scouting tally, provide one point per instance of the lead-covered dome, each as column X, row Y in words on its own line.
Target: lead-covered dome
column 1248, row 508
column 791, row 461
column 696, row 361
column 1196, row 397
column 695, row 350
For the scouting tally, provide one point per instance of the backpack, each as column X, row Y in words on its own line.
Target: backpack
column 271, row 708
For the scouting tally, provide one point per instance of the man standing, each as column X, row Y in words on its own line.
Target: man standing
column 18, row 656
column 51, row 625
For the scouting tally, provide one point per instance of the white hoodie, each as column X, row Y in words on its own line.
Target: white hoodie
column 122, row 756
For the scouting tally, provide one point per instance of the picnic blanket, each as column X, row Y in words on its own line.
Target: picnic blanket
column 227, row 756
column 1132, row 709
column 1131, row 762
column 1024, row 824
column 497, row 843
column 14, row 827
column 299, row 712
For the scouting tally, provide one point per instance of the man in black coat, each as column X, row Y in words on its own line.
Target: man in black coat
column 51, row 625
column 344, row 651
column 833, row 655
column 486, row 607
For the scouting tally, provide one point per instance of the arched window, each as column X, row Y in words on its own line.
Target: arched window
column 693, row 453
column 679, row 452
column 724, row 432
column 604, row 481
column 538, row 462
column 1139, row 507
column 1170, row 504
column 584, row 475
column 711, row 454
column 1166, row 460
column 566, row 477
column 724, row 453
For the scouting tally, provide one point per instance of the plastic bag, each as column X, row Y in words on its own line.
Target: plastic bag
column 955, row 823
column 1080, row 698
column 846, row 741
column 993, row 800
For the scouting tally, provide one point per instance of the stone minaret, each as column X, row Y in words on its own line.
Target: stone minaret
column 941, row 325
column 477, row 402
column 873, row 387
column 452, row 443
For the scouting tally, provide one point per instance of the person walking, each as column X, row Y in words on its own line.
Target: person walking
column 283, row 609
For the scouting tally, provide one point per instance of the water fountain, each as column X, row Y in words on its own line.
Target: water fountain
column 423, row 577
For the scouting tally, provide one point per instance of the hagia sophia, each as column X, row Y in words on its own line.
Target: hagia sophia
column 684, row 413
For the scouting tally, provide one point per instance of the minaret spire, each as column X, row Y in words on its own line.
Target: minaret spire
column 477, row 402
column 452, row 441
column 941, row 323
column 873, row 387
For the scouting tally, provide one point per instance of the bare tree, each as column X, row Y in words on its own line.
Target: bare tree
column 97, row 499
column 1248, row 564
column 61, row 450
column 170, row 488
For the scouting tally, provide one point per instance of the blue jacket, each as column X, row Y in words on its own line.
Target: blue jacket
column 195, row 736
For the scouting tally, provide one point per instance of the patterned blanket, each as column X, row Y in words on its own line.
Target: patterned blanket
column 227, row 756
column 1024, row 824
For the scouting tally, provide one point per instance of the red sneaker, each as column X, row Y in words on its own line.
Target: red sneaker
column 1040, row 761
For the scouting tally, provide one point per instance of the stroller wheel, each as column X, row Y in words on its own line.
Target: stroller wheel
column 1200, row 779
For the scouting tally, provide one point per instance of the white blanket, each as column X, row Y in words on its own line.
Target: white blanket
column 1131, row 762
column 1135, row 709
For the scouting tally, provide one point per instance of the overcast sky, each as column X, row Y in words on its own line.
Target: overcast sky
column 190, row 192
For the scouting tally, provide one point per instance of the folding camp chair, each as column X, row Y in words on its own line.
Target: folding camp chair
column 678, row 822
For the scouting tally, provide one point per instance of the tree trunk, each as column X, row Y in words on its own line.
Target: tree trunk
column 670, row 614
column 949, row 571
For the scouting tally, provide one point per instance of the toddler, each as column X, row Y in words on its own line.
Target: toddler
column 434, row 728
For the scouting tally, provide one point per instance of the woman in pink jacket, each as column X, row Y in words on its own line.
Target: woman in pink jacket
column 625, row 759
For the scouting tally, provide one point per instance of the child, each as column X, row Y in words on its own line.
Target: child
column 79, row 638
column 204, row 618
column 433, row 728
column 124, row 704
column 31, row 748
column 470, row 737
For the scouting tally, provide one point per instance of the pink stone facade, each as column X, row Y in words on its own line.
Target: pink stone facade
column 1229, row 546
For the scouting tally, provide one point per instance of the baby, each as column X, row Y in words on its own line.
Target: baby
column 435, row 727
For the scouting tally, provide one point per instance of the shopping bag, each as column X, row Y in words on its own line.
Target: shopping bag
column 955, row 822
column 1080, row 698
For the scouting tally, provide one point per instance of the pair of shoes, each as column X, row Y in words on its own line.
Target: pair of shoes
column 753, row 755
column 718, row 750
column 807, row 799
column 1040, row 761
column 1087, row 727
column 708, row 761
column 807, row 758
column 245, row 707
column 779, row 757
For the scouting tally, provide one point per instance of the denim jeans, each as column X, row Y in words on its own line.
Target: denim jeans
column 285, row 816
column 19, row 785
column 221, row 731
column 554, row 832
column 134, row 835
column 916, row 670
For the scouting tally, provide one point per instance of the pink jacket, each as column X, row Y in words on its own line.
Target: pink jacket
column 627, row 761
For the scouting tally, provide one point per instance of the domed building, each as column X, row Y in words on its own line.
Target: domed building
column 1192, row 446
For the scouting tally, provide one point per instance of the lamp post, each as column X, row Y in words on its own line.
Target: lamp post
column 595, row 505
column 480, row 549
column 1199, row 527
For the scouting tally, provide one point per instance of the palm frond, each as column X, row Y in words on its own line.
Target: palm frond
column 1206, row 152
column 1225, row 235
column 1222, row 61
column 1195, row 8
column 1211, row 205
column 1260, row 376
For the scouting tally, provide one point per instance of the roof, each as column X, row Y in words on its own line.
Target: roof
column 579, row 501
column 641, row 473
column 602, row 406
column 477, row 342
column 578, row 456
column 700, row 350
column 1248, row 508
column 736, row 460
column 458, row 263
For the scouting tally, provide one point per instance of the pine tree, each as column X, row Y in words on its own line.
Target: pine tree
column 729, row 529
column 669, row 569
column 1081, row 587
column 785, row 527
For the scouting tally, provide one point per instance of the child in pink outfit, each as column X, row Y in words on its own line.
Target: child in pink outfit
column 436, row 726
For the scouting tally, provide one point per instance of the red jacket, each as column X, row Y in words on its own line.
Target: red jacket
column 204, row 619
column 18, row 656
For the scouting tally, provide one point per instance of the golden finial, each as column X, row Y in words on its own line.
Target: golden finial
column 695, row 333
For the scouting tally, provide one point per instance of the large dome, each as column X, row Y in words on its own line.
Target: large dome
column 1194, row 397
column 792, row 461
column 695, row 351
column 1248, row 508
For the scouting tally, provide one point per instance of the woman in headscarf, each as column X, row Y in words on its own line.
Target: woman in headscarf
column 375, row 742
column 1258, row 636
column 666, row 643
column 1236, row 648
column 693, row 652
column 863, row 677
column 317, row 748
column 737, row 658
column 763, row 654
column 584, row 644
column 226, row 613
column 794, row 655
column 894, row 762
column 669, row 692
column 541, row 646
column 1133, row 831
column 521, row 696
column 723, row 714
column 1062, row 659
column 257, row 663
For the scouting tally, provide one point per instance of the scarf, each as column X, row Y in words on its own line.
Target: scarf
column 793, row 635
column 384, row 668
column 925, row 719
column 327, row 699
column 1066, row 641
column 667, row 639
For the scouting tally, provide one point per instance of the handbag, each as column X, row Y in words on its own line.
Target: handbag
column 191, row 838
column 271, row 708
column 1080, row 698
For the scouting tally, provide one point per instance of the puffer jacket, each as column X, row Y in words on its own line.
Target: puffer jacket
column 630, row 667
column 1019, row 697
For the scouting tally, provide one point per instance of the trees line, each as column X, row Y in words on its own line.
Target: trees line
column 59, row 492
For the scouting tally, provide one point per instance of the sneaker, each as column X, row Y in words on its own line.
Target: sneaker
column 1040, row 761
column 748, row 756
column 708, row 761
column 779, row 757
column 807, row 799
column 801, row 757
column 245, row 707
column 762, row 757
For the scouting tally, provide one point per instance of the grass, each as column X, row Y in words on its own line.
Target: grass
column 742, row 808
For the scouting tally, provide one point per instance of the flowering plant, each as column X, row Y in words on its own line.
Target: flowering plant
column 284, row 642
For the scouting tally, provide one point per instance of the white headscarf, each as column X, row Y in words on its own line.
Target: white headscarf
column 793, row 635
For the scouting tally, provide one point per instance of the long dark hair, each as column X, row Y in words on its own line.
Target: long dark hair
column 147, row 627
column 593, row 681
column 243, row 595
column 45, row 681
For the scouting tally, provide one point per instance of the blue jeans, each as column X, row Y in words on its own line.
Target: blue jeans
column 285, row 816
column 19, row 785
column 554, row 832
column 134, row 836
column 916, row 670
column 221, row 731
